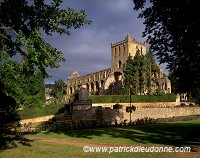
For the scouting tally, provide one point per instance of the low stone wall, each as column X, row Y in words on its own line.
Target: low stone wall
column 120, row 115
column 157, row 113
column 36, row 120
column 152, row 104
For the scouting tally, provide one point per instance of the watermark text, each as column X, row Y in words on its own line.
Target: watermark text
column 120, row 149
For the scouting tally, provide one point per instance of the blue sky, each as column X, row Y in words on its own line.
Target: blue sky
column 88, row 49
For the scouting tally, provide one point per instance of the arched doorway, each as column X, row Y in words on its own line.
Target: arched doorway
column 70, row 91
column 120, row 64
column 87, row 87
column 97, row 87
column 92, row 88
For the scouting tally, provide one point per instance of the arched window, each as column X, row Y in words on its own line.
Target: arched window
column 92, row 88
column 97, row 87
column 124, row 48
column 120, row 63
column 70, row 90
column 124, row 67
column 165, row 86
column 115, row 52
column 87, row 87
column 102, row 83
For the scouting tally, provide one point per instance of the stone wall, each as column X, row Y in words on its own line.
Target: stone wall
column 153, row 104
column 120, row 115
column 161, row 112
column 89, row 114
column 36, row 120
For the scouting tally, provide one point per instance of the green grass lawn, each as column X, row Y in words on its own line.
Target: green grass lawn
column 173, row 133
column 168, row 134
column 51, row 150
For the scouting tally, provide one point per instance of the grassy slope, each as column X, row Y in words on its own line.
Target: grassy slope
column 40, row 111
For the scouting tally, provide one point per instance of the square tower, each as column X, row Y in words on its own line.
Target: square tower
column 121, row 50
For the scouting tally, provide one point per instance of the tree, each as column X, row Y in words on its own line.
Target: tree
column 152, row 70
column 58, row 90
column 27, row 90
column 8, row 91
column 21, row 24
column 8, row 111
column 137, row 73
column 144, row 75
column 128, row 74
column 34, row 90
column 172, row 30
column 134, row 74
column 11, row 78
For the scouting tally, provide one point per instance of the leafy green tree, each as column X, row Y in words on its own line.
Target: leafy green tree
column 9, row 101
column 58, row 90
column 128, row 74
column 152, row 71
column 144, row 75
column 172, row 30
column 27, row 90
column 21, row 24
column 137, row 73
column 11, row 78
column 34, row 90
column 8, row 111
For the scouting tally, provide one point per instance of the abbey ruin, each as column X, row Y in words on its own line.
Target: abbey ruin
column 99, row 81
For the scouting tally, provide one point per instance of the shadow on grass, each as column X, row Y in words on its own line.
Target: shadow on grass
column 175, row 134
column 10, row 140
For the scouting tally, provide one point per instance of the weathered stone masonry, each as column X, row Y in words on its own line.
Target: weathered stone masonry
column 99, row 81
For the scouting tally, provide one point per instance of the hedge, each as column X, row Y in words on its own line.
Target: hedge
column 134, row 98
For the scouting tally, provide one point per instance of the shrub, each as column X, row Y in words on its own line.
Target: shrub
column 134, row 98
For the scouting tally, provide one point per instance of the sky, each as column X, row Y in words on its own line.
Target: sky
column 88, row 49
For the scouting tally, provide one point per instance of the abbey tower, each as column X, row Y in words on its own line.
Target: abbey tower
column 98, row 82
column 121, row 50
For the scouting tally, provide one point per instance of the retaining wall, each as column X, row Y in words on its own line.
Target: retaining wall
column 153, row 104
column 121, row 114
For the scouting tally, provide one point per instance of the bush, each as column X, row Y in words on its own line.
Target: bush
column 134, row 98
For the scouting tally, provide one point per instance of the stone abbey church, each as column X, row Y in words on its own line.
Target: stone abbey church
column 98, row 82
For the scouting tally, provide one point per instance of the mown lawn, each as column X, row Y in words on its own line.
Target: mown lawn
column 176, row 134
column 52, row 150
column 173, row 133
